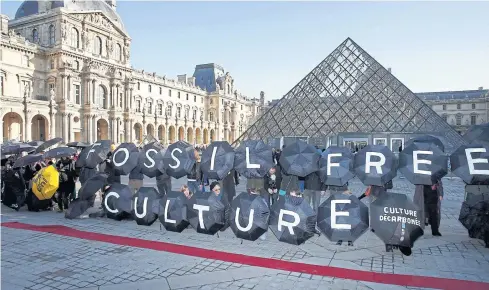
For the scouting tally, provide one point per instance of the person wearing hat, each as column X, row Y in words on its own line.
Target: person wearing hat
column 112, row 147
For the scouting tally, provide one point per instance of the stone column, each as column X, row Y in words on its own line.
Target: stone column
column 27, row 125
column 70, row 129
column 126, row 131
column 94, row 93
column 66, row 131
column 88, row 129
column 131, row 131
column 88, row 95
column 52, row 123
column 94, row 128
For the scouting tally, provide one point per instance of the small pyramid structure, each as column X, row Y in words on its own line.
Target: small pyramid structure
column 350, row 91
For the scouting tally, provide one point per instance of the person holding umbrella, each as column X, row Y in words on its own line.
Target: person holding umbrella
column 14, row 187
column 272, row 185
column 433, row 195
column 67, row 181
column 186, row 190
column 194, row 179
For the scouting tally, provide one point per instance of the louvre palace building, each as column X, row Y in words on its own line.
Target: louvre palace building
column 66, row 72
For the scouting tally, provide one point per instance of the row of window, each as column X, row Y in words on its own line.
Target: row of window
column 51, row 33
column 459, row 106
column 150, row 89
column 97, row 44
column 458, row 119
column 169, row 110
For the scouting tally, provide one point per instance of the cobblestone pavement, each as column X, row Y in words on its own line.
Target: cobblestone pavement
column 38, row 260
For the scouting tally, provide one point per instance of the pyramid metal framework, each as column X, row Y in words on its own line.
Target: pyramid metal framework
column 349, row 91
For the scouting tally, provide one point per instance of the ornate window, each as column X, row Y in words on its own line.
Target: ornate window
column 161, row 90
column 52, row 35
column 76, row 65
column 139, row 85
column 444, row 107
column 77, row 94
column 445, row 118
column 211, row 116
column 178, row 95
column 459, row 106
column 473, row 106
column 118, row 52
column 121, row 103
column 25, row 60
column 187, row 97
column 97, row 49
column 138, row 106
column 169, row 93
column 473, row 119
column 179, row 112
column 150, row 108
column 35, row 36
column 102, row 97
column 160, row 109
column 169, row 111
column 75, row 38
column 194, row 115
column 195, row 99
column 458, row 118
column 187, row 112
column 149, row 88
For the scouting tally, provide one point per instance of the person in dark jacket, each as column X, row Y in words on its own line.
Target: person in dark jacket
column 194, row 178
column 433, row 194
column 108, row 168
column 271, row 184
column 67, row 181
column 14, row 188
column 136, row 178
column 313, row 188
column 163, row 182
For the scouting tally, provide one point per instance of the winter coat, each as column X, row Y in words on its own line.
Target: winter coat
column 196, row 173
column 14, row 187
column 269, row 183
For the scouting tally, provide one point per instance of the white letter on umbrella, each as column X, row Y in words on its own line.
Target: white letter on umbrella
column 174, row 158
column 118, row 164
column 250, row 165
column 472, row 161
column 213, row 157
column 335, row 214
column 378, row 164
column 201, row 209
column 417, row 162
column 114, row 194
column 145, row 204
column 150, row 158
column 250, row 221
column 93, row 150
column 289, row 225
column 167, row 220
column 332, row 164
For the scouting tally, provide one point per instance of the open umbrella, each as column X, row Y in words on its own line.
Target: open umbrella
column 217, row 160
column 375, row 165
column 249, row 216
column 17, row 148
column 336, row 166
column 35, row 143
column 299, row 158
column 179, row 159
column 206, row 213
column 342, row 217
column 173, row 211
column 151, row 158
column 46, row 182
column 146, row 206
column 478, row 134
column 94, row 155
column 474, row 216
column 426, row 139
column 92, row 186
column 77, row 144
column 117, row 202
column 48, row 144
column 27, row 160
column 253, row 158
column 59, row 152
column 77, row 208
column 471, row 163
column 125, row 158
column 292, row 220
column 396, row 220
column 423, row 163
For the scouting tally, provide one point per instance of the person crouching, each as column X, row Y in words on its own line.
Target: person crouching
column 67, row 181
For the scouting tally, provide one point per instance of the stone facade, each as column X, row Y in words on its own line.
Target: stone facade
column 66, row 72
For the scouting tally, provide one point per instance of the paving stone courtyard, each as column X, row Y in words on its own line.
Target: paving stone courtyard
column 42, row 260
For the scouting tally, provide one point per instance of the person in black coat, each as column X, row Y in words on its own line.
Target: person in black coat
column 313, row 187
column 14, row 188
column 67, row 181
column 271, row 184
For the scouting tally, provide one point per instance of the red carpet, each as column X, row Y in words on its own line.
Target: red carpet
column 396, row 279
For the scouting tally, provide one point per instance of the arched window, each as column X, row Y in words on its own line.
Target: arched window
column 102, row 97
column 229, row 89
column 97, row 45
column 75, row 38
column 52, row 35
column 138, row 106
column 139, row 86
column 150, row 108
column 211, row 116
column 169, row 111
column 35, row 36
column 458, row 119
column 160, row 109
column 118, row 52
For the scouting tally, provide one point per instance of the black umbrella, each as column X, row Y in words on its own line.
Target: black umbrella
column 375, row 165
column 474, row 216
column 336, row 166
column 425, row 139
column 151, row 158
column 125, row 158
column 48, row 144
column 206, row 213
column 342, row 217
column 179, row 159
column 249, row 216
column 253, row 159
column 77, row 144
column 77, row 208
column 35, row 143
column 117, row 202
column 478, row 134
column 173, row 211
column 299, row 158
column 17, row 148
column 27, row 160
column 423, row 163
column 146, row 206
column 396, row 220
column 92, row 185
column 217, row 160
column 292, row 220
column 470, row 163
column 59, row 152
column 94, row 155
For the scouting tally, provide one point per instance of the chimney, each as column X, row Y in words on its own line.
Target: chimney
column 191, row 81
column 111, row 3
column 4, row 24
column 389, row 70
column 481, row 88
column 182, row 78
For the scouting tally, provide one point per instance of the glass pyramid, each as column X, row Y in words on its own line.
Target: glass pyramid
column 349, row 92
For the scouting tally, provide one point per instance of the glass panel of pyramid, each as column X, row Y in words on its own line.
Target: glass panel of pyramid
column 349, row 92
